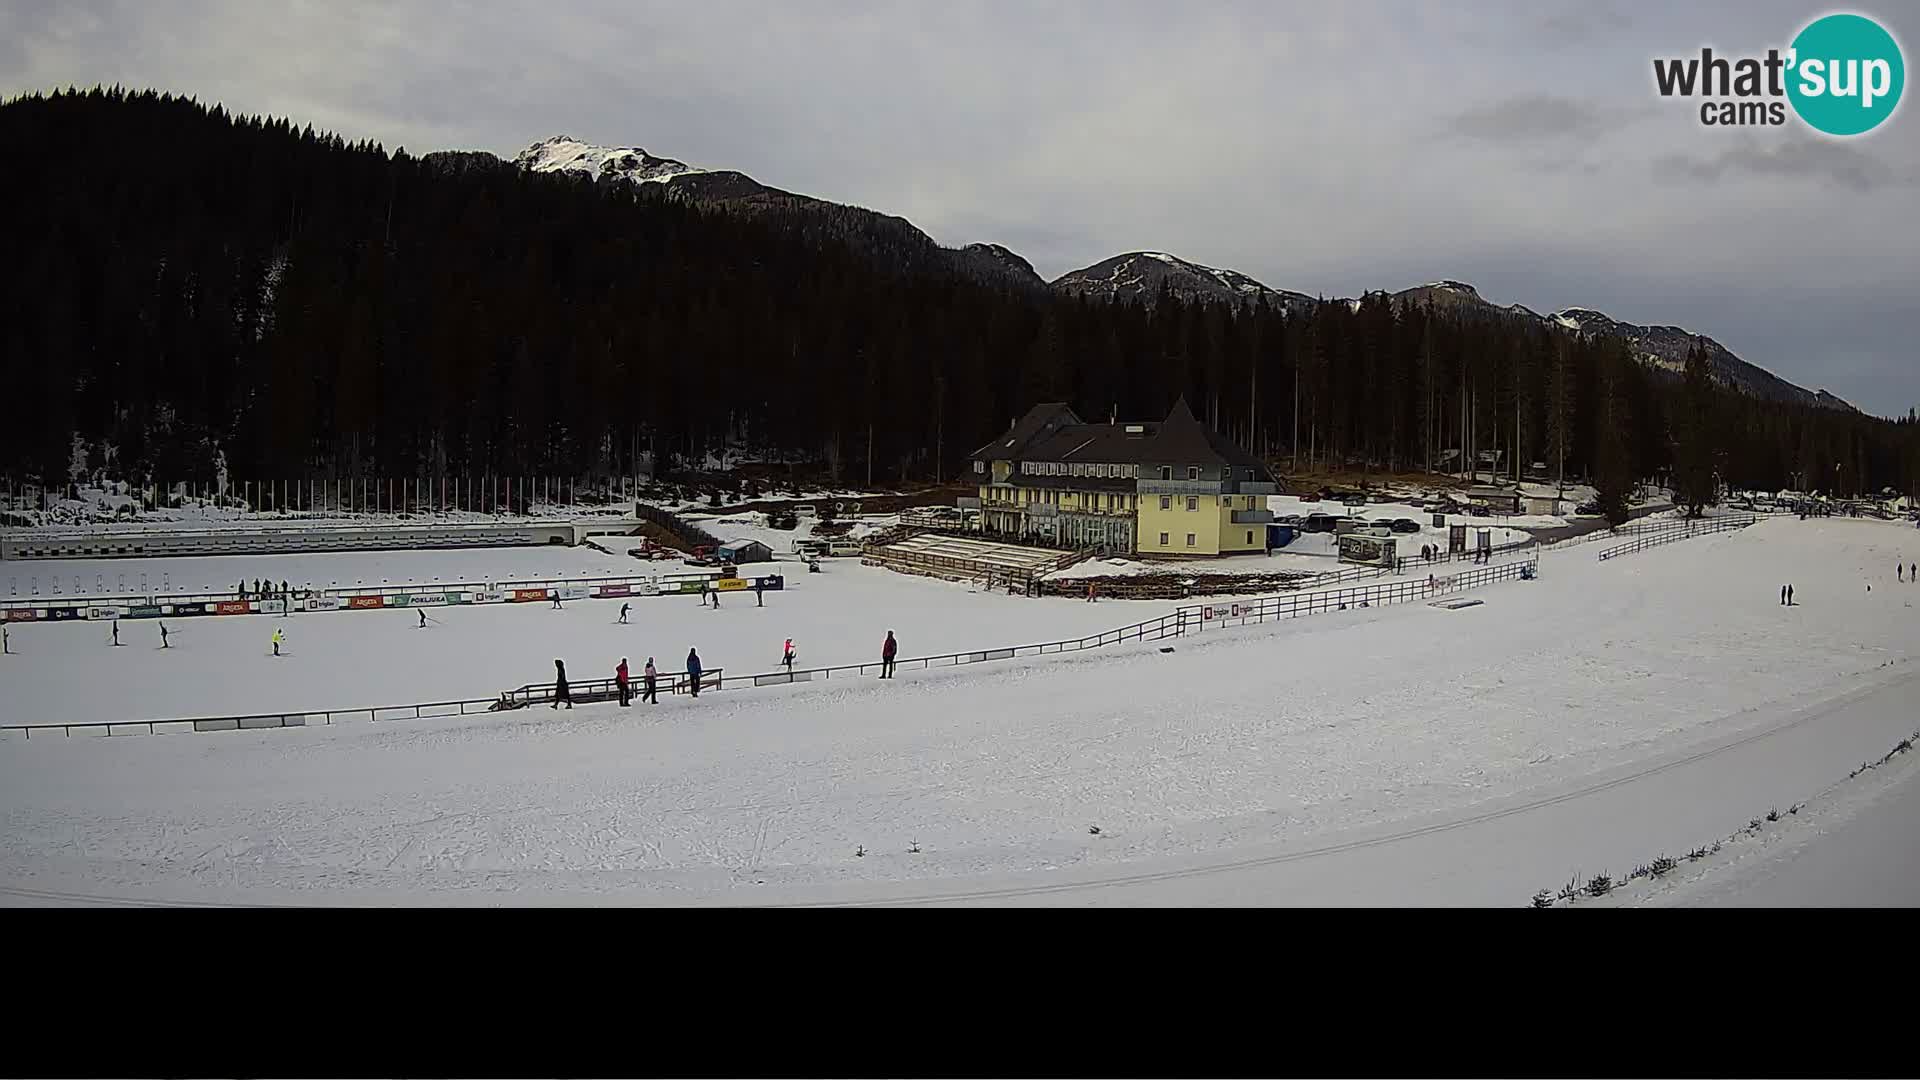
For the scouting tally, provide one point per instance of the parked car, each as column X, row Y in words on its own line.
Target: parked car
column 1405, row 525
column 1587, row 508
column 1479, row 510
column 1323, row 523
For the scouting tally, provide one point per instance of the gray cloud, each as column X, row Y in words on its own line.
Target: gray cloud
column 1330, row 148
column 1798, row 157
column 1533, row 117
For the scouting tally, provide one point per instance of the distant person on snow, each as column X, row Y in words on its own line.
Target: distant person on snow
column 277, row 638
column 6, row 641
column 786, row 656
column 116, row 632
column 1789, row 596
column 623, row 613
column 1090, row 588
column 716, row 596
column 556, row 600
column 620, row 683
column 163, row 636
column 693, row 672
column 648, row 691
column 423, row 620
column 888, row 650
column 759, row 595
column 1783, row 596
column 561, row 692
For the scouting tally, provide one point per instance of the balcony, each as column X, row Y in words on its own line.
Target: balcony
column 1252, row 517
column 1042, row 510
column 1179, row 487
column 967, row 502
column 1257, row 487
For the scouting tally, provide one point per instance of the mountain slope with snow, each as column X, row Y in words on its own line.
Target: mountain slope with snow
column 1139, row 275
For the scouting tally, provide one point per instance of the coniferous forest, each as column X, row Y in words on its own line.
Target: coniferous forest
column 182, row 283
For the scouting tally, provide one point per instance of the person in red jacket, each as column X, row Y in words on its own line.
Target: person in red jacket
column 887, row 652
column 620, row 683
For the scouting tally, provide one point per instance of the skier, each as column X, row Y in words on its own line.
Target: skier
column 1789, row 596
column 163, row 636
column 759, row 596
column 6, row 641
column 560, row 691
column 283, row 588
column 648, row 691
column 1783, row 596
column 277, row 638
column 556, row 601
column 887, row 651
column 693, row 671
column 623, row 613
column 620, row 683
column 786, row 656
column 423, row 620
column 716, row 597
column 116, row 632
column 1089, row 592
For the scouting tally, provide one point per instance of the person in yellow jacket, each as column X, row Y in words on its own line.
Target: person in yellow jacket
column 278, row 637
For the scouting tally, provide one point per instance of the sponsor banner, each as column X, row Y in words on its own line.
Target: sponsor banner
column 366, row 601
column 63, row 613
column 273, row 607
column 1367, row 550
column 1208, row 614
column 693, row 586
column 647, row 588
column 573, row 592
column 490, row 596
column 146, row 611
column 615, row 590
column 323, row 603
column 772, row 582
column 233, row 607
column 459, row 598
column 105, row 612
column 22, row 614
column 190, row 609
column 420, row 600
column 730, row 584
column 521, row 596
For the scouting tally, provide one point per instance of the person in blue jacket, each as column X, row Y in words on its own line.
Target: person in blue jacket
column 693, row 672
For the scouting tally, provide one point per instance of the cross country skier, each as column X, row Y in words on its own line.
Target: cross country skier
column 556, row 601
column 163, row 636
column 620, row 683
column 887, row 651
column 1783, row 596
column 693, row 671
column 560, row 691
column 6, row 641
column 116, row 631
column 277, row 638
column 648, row 691
column 716, row 597
column 623, row 613
column 423, row 620
column 786, row 656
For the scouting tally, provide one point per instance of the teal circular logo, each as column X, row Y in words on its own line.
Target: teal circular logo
column 1846, row 74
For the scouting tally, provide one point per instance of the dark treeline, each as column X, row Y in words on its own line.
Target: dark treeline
column 181, row 282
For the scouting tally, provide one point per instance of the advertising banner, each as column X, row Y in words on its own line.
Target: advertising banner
column 21, row 614
column 490, row 596
column 730, row 584
column 365, row 602
column 1367, row 550
column 420, row 600
column 190, row 609
column 615, row 590
column 693, row 586
column 521, row 596
column 647, row 588
column 273, row 607
column 459, row 598
column 233, row 607
column 573, row 592
column 145, row 611
column 323, row 603
column 773, row 581
column 64, row 613
column 104, row 612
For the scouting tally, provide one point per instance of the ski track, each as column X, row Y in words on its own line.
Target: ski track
column 1282, row 732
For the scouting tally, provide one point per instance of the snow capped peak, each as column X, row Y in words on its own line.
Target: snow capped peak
column 1449, row 285
column 564, row 153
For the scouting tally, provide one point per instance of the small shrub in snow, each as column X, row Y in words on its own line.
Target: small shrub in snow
column 860, row 852
column 914, row 849
column 1662, row 866
column 1599, row 885
column 1754, row 825
column 1543, row 898
column 1093, row 830
column 1697, row 854
column 1773, row 815
column 1571, row 889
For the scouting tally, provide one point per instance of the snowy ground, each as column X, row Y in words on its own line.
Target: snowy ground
column 1396, row 755
column 323, row 570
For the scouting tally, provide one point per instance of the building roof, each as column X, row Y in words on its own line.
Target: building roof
column 740, row 542
column 1051, row 432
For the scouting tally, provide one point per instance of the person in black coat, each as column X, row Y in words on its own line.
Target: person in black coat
column 560, row 691
column 693, row 672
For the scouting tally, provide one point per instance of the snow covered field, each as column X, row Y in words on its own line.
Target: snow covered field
column 1351, row 758
column 322, row 570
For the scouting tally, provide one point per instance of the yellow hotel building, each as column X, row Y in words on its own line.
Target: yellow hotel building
column 1173, row 487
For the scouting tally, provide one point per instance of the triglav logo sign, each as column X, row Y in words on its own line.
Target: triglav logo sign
column 1842, row 75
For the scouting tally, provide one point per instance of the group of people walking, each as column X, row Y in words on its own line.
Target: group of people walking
column 650, row 675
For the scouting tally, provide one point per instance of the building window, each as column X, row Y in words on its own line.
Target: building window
column 1189, row 539
column 1166, row 472
column 1193, row 472
column 1193, row 502
column 979, row 466
column 1166, row 502
column 1249, row 539
column 1249, row 474
column 1163, row 539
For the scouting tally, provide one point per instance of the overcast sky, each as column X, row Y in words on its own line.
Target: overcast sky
column 1328, row 148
